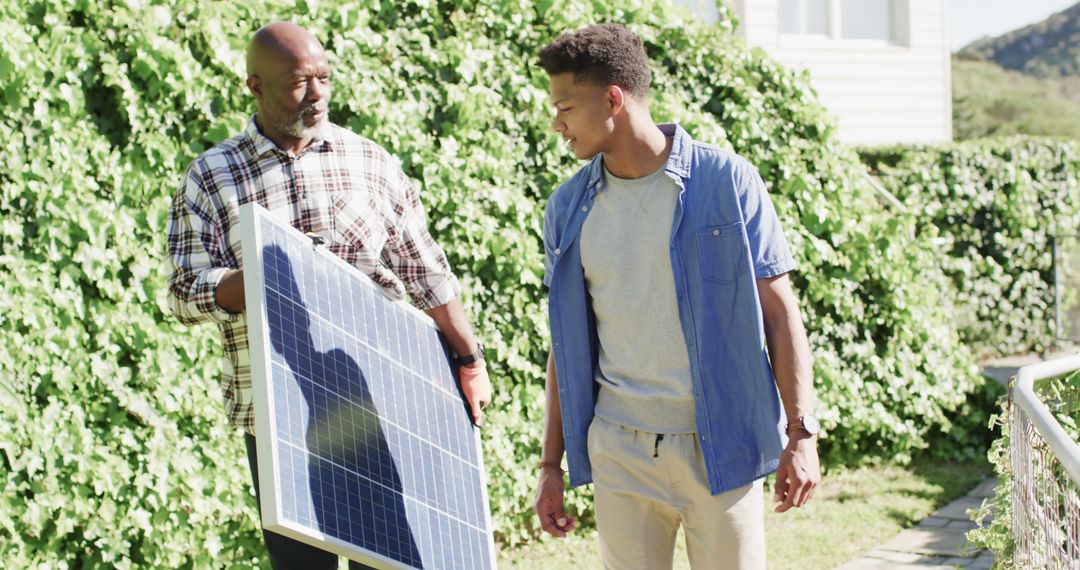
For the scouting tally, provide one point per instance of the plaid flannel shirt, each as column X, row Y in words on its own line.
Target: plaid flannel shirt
column 342, row 187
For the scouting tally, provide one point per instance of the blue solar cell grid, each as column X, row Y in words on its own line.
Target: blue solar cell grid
column 374, row 444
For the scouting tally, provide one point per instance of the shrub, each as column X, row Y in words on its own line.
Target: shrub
column 995, row 207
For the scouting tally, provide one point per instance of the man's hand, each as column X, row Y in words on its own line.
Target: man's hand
column 476, row 387
column 798, row 474
column 549, row 503
column 229, row 294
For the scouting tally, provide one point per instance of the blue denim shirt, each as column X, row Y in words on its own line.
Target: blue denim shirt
column 724, row 236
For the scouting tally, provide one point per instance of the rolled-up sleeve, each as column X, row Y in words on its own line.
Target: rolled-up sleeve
column 194, row 271
column 411, row 252
column 768, row 246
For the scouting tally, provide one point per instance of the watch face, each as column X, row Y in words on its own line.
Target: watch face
column 811, row 425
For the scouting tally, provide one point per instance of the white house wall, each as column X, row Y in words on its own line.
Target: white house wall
column 878, row 93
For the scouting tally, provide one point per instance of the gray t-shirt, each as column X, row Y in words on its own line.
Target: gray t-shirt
column 644, row 367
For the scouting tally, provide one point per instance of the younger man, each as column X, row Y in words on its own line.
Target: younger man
column 666, row 267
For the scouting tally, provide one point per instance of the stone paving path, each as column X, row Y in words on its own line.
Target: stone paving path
column 935, row 543
column 939, row 541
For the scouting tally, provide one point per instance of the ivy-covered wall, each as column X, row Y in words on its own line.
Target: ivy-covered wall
column 993, row 208
column 113, row 444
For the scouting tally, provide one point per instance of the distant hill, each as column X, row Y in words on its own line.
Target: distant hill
column 1050, row 48
column 989, row 101
column 1026, row 81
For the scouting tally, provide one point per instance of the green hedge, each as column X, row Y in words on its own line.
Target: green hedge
column 993, row 207
column 115, row 451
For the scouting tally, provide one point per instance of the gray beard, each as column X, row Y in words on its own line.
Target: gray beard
column 295, row 127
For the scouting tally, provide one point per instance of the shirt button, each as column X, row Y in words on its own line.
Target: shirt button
column 584, row 208
column 558, row 251
column 716, row 232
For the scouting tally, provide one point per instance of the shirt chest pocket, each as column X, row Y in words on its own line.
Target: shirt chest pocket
column 722, row 252
column 356, row 224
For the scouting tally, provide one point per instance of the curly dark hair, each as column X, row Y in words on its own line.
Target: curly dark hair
column 602, row 54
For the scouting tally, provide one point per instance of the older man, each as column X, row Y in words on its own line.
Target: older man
column 328, row 182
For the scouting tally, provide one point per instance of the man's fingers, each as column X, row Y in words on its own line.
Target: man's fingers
column 780, row 489
column 557, row 512
column 477, row 411
column 789, row 502
column 477, row 414
column 548, row 524
column 477, row 390
column 549, row 527
column 790, row 490
column 553, row 518
column 801, row 494
column 563, row 522
column 556, row 523
column 798, row 493
column 805, row 493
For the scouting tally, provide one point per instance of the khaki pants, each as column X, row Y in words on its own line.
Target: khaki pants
column 640, row 500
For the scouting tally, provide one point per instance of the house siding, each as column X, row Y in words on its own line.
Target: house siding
column 879, row 94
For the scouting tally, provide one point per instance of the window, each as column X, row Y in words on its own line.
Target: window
column 867, row 20
column 805, row 17
column 874, row 20
column 703, row 9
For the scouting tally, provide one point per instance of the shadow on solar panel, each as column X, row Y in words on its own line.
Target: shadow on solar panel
column 342, row 431
column 361, row 431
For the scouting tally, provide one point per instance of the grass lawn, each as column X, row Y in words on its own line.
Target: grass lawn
column 852, row 512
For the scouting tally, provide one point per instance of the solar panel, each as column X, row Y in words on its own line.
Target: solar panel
column 365, row 446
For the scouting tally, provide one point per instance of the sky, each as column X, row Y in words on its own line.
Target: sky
column 970, row 20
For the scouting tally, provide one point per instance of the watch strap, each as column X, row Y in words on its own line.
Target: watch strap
column 470, row 358
column 801, row 424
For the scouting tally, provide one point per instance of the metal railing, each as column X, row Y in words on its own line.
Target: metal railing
column 1045, row 460
column 884, row 196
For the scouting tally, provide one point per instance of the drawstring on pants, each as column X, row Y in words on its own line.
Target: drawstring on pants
column 656, row 446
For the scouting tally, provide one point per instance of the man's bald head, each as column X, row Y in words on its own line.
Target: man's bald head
column 289, row 75
column 280, row 42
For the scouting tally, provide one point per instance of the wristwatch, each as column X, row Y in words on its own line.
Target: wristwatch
column 807, row 423
column 469, row 358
